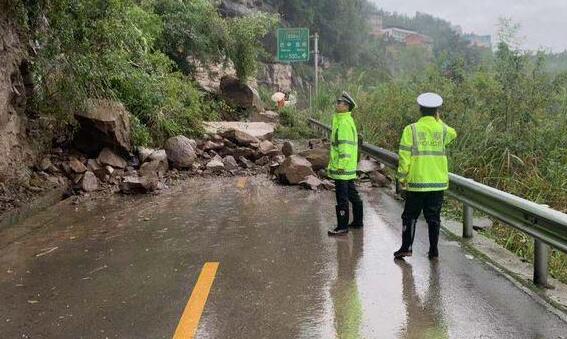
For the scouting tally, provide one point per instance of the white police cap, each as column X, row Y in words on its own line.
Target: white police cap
column 430, row 100
column 348, row 99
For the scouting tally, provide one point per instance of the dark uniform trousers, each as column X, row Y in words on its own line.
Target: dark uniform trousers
column 428, row 202
column 345, row 191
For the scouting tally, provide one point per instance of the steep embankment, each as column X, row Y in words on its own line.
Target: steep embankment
column 14, row 148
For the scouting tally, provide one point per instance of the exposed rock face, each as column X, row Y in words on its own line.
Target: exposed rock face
column 180, row 151
column 294, row 170
column 235, row 8
column 104, row 123
column 209, row 77
column 15, row 79
column 240, row 96
column 276, row 77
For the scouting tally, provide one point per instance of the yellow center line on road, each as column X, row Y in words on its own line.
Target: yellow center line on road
column 241, row 182
column 189, row 321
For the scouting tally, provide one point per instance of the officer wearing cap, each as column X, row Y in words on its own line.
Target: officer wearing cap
column 423, row 172
column 343, row 163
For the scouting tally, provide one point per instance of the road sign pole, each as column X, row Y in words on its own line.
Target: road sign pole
column 316, row 60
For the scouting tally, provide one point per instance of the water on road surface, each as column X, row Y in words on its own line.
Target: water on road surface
column 125, row 268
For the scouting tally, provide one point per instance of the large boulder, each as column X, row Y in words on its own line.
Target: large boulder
column 180, row 151
column 243, row 152
column 294, row 170
column 288, row 149
column 259, row 130
column 318, row 157
column 108, row 157
column 247, row 163
column 77, row 166
column 240, row 137
column 104, row 123
column 144, row 153
column 154, row 168
column 266, row 147
column 230, row 163
column 135, row 184
column 240, row 96
column 89, row 182
column 159, row 155
column 216, row 164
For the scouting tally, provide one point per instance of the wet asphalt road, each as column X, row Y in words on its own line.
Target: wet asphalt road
column 125, row 268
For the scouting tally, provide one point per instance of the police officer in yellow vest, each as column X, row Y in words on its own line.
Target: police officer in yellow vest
column 423, row 172
column 343, row 163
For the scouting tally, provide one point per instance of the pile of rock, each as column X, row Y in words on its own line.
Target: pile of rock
column 229, row 149
column 308, row 168
column 83, row 173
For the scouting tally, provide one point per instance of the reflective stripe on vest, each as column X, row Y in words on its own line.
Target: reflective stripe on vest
column 342, row 172
column 427, row 185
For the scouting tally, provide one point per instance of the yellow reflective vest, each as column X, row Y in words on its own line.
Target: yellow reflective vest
column 343, row 159
column 423, row 161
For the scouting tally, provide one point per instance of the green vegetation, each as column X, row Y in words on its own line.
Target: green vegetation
column 509, row 111
column 135, row 51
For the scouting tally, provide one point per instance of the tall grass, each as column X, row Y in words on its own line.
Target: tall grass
column 512, row 136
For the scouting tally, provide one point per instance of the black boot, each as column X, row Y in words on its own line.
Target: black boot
column 408, row 233
column 358, row 216
column 342, row 222
column 433, row 229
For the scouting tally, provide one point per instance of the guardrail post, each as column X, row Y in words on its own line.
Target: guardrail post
column 467, row 221
column 541, row 261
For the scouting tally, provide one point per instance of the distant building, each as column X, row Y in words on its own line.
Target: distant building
column 409, row 38
column 375, row 22
column 484, row 41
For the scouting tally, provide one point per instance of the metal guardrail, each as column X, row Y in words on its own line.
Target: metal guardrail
column 548, row 227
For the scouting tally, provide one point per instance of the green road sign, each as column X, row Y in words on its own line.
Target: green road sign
column 293, row 44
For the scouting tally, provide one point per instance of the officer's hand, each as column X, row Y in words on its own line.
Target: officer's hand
column 404, row 194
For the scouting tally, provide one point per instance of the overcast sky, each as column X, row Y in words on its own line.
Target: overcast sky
column 543, row 22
